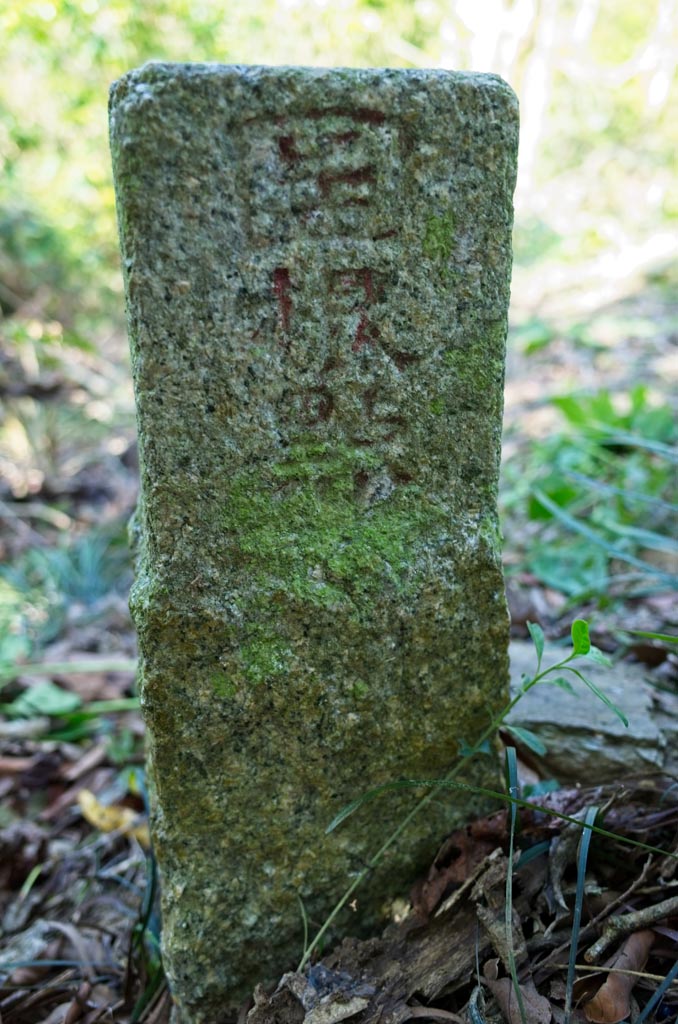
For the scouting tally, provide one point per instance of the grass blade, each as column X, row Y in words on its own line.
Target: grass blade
column 666, row 638
column 666, row 983
column 604, row 584
column 578, row 906
column 514, row 791
column 585, row 531
column 647, row 538
column 667, row 451
column 504, row 798
column 53, row 668
column 621, row 492
column 304, row 920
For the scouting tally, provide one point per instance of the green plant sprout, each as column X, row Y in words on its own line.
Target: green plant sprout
column 581, row 648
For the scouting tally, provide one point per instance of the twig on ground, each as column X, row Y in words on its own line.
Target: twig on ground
column 624, row 924
column 549, row 961
column 597, row 969
column 430, row 1013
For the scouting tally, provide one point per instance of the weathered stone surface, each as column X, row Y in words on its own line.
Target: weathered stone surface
column 317, row 268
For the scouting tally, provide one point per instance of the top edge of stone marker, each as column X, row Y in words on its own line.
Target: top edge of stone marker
column 162, row 75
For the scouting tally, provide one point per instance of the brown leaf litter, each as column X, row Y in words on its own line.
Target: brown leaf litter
column 74, row 949
column 449, row 959
column 71, row 895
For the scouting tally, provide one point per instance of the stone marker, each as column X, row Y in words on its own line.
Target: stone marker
column 317, row 269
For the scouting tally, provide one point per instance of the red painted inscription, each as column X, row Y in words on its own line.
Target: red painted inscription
column 282, row 288
column 362, row 281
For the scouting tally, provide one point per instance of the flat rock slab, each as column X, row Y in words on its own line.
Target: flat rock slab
column 317, row 269
column 585, row 741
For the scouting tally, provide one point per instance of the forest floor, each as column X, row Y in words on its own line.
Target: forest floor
column 78, row 895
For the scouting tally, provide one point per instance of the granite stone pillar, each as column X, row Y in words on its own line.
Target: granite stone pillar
column 317, row 271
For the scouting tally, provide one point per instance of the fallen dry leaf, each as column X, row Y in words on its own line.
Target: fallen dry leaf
column 80, row 1004
column 113, row 818
column 22, row 847
column 25, row 977
column 611, row 1003
column 537, row 1007
column 15, row 765
column 454, row 863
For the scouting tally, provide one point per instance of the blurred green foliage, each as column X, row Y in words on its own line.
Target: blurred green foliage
column 599, row 497
column 49, row 587
column 595, row 78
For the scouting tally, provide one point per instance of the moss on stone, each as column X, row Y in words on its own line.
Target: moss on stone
column 298, row 528
column 438, row 241
column 360, row 689
column 222, row 684
column 264, row 658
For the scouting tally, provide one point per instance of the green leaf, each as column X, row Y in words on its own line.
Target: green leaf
column 537, row 634
column 563, row 683
column 600, row 659
column 542, row 786
column 559, row 491
column 571, row 566
column 527, row 739
column 75, row 727
column 43, row 699
column 364, row 798
column 581, row 641
column 666, row 638
column 572, row 409
column 600, row 695
column 466, row 751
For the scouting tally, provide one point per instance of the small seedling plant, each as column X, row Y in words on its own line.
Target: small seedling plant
column 564, row 674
